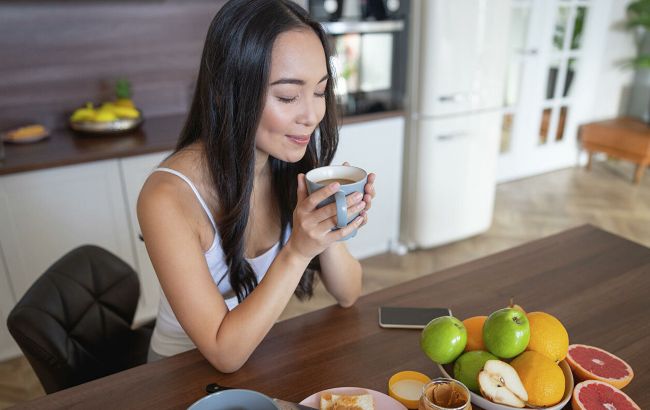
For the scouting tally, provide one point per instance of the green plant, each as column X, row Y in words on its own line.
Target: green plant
column 638, row 18
column 123, row 88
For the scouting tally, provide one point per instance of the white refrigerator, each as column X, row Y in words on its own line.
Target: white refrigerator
column 458, row 72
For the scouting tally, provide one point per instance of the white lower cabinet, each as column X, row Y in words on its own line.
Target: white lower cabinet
column 8, row 348
column 135, row 171
column 376, row 146
column 45, row 214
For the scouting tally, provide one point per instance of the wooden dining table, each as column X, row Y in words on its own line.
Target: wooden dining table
column 595, row 282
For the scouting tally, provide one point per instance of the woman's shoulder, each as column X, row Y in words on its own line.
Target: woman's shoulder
column 173, row 186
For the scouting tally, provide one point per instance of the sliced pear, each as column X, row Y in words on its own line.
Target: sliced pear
column 500, row 383
column 495, row 391
column 508, row 375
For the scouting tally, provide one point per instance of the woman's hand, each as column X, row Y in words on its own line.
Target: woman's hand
column 312, row 227
column 368, row 196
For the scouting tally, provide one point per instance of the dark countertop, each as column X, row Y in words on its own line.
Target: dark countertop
column 65, row 147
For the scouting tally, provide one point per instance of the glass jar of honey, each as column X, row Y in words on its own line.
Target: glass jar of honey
column 445, row 394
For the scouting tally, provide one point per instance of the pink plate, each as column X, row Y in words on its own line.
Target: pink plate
column 382, row 401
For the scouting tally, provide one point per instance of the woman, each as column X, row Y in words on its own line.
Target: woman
column 227, row 221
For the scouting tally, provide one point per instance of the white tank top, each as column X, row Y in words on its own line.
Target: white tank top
column 168, row 337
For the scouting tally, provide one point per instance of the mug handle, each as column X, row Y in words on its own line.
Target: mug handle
column 341, row 210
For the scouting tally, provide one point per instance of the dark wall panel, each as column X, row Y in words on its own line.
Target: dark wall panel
column 56, row 55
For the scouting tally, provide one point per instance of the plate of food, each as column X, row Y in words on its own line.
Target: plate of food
column 26, row 134
column 364, row 399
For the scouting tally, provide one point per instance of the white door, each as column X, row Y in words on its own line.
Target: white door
column 553, row 47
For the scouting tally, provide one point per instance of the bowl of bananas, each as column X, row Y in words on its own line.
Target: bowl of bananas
column 111, row 117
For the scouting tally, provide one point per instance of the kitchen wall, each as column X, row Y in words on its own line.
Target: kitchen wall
column 613, row 81
column 56, row 55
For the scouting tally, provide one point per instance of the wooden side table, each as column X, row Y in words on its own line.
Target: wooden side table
column 625, row 138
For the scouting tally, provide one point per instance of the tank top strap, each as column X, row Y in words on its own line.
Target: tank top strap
column 196, row 192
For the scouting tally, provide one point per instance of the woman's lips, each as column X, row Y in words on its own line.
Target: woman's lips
column 299, row 139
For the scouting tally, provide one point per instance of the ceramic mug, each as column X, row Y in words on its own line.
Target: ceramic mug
column 351, row 179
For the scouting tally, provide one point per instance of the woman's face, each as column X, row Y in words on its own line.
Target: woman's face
column 295, row 100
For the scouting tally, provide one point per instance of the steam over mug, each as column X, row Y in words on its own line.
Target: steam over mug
column 351, row 179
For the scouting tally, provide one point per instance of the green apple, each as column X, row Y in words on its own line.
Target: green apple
column 468, row 366
column 443, row 339
column 506, row 333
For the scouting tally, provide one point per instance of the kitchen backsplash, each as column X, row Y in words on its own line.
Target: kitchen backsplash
column 56, row 55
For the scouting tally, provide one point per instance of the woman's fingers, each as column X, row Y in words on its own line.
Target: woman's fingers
column 329, row 210
column 312, row 201
column 343, row 232
column 330, row 222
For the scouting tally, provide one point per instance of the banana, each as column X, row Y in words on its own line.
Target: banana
column 104, row 115
column 83, row 114
column 125, row 112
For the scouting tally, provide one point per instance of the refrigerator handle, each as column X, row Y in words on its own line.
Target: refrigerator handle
column 447, row 137
column 456, row 97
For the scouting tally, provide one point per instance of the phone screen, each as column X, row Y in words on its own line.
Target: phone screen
column 409, row 317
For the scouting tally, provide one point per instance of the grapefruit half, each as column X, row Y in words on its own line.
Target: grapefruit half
column 595, row 395
column 592, row 363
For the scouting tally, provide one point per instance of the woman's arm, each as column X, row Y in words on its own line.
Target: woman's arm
column 340, row 271
column 226, row 338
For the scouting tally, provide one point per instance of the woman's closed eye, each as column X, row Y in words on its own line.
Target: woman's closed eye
column 288, row 100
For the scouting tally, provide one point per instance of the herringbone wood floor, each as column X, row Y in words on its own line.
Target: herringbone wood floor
column 525, row 210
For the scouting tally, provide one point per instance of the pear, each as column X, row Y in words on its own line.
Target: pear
column 500, row 383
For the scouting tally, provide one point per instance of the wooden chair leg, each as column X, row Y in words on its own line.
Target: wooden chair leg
column 589, row 153
column 640, row 169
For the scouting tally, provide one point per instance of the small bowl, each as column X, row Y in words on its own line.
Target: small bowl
column 407, row 375
column 488, row 405
column 234, row 399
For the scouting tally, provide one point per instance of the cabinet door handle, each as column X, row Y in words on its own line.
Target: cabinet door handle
column 447, row 137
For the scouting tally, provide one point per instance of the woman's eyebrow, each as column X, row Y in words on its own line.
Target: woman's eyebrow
column 295, row 81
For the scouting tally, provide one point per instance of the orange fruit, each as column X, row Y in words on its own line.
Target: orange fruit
column 592, row 363
column 547, row 336
column 474, row 327
column 543, row 379
column 592, row 394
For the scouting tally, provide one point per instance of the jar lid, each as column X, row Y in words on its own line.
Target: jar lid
column 406, row 387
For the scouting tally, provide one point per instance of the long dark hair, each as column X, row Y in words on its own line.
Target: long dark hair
column 225, row 113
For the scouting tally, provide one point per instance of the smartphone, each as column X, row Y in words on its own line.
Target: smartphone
column 409, row 317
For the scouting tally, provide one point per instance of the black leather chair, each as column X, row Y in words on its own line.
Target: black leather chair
column 74, row 323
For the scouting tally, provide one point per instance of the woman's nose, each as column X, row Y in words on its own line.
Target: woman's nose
column 309, row 113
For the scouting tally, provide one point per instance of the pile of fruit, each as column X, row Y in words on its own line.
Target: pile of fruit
column 120, row 109
column 512, row 357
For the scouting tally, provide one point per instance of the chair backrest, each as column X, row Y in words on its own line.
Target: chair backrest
column 74, row 323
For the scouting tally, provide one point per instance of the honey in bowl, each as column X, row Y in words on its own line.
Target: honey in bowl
column 445, row 394
column 406, row 387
